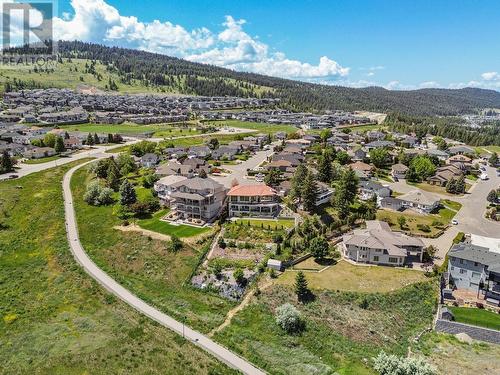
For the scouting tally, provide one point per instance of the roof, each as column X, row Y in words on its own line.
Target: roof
column 251, row 190
column 399, row 167
column 420, row 197
column 493, row 244
column 198, row 183
column 359, row 165
column 169, row 180
column 474, row 253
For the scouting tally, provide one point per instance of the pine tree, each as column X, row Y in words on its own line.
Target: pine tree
column 319, row 247
column 345, row 193
column 309, row 191
column 297, row 181
column 113, row 175
column 90, row 140
column 7, row 164
column 492, row 196
column 494, row 160
column 324, row 168
column 127, row 194
column 96, row 139
column 59, row 145
column 301, row 286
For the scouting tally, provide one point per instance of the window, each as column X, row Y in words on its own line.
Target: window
column 452, row 268
column 476, row 275
column 463, row 271
column 393, row 260
column 375, row 258
column 461, row 261
column 476, row 264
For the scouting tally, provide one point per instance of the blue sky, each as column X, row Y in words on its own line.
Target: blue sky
column 396, row 44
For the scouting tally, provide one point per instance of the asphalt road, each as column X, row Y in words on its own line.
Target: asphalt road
column 218, row 351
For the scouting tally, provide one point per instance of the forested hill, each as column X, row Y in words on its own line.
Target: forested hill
column 176, row 75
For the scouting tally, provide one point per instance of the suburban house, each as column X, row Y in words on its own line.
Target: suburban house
column 379, row 144
column 460, row 150
column 460, row 161
column 362, row 170
column 441, row 155
column 197, row 198
column 323, row 193
column 149, row 160
column 378, row 244
column 369, row 189
column 164, row 187
column 476, row 261
column 73, row 143
column 357, row 155
column 444, row 175
column 39, row 152
column 253, row 201
column 398, row 171
column 392, row 203
column 173, row 167
column 225, row 152
column 420, row 200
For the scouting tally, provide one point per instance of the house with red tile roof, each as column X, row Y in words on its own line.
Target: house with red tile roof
column 253, row 201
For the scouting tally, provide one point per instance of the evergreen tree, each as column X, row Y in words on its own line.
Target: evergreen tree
column 301, row 287
column 127, row 193
column 96, row 139
column 113, row 175
column 59, row 145
column 297, row 181
column 66, row 135
column 345, row 193
column 325, row 167
column 110, row 138
column 492, row 196
column 90, row 140
column 494, row 160
column 319, row 247
column 272, row 178
column 7, row 164
column 309, row 192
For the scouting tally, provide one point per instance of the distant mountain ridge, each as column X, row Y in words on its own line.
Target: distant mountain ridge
column 194, row 78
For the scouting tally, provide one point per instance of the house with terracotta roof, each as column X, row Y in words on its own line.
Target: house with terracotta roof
column 378, row 244
column 253, row 201
column 362, row 169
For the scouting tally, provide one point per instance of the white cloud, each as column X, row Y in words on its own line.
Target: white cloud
column 429, row 84
column 490, row 76
column 97, row 21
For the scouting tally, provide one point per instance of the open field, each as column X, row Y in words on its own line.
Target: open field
column 450, row 356
column 347, row 277
column 156, row 225
column 158, row 130
column 476, row 317
column 145, row 265
column 53, row 318
column 259, row 126
column 363, row 128
column 482, row 149
column 340, row 336
column 413, row 220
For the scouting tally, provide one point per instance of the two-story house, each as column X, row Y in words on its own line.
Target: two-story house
column 253, row 201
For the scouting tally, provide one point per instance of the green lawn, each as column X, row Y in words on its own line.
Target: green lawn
column 451, row 204
column 159, row 130
column 415, row 219
column 145, row 265
column 476, row 317
column 347, row 277
column 53, row 318
column 42, row 160
column 156, row 225
column 341, row 334
column 272, row 224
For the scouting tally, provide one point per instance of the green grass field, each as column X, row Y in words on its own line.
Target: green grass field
column 145, row 265
column 53, row 318
column 476, row 317
column 272, row 224
column 42, row 160
column 347, row 277
column 158, row 130
column 156, row 225
column 364, row 128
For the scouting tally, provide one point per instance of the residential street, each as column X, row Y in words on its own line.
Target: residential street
column 221, row 353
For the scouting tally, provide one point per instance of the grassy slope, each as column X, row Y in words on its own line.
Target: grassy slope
column 156, row 225
column 261, row 127
column 346, row 277
column 53, row 318
column 339, row 336
column 144, row 265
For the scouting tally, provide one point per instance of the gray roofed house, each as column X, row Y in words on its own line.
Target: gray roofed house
column 399, row 171
column 379, row 144
column 420, row 200
column 378, row 244
column 369, row 188
column 149, row 160
column 454, row 150
column 392, row 203
column 225, row 152
column 474, row 261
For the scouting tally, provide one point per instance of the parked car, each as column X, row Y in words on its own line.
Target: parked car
column 454, row 222
column 13, row 176
column 483, row 176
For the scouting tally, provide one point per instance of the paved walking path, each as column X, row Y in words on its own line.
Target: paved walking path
column 218, row 351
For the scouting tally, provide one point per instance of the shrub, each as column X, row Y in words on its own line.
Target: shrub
column 222, row 243
column 289, row 318
column 175, row 244
column 96, row 195
column 424, row 228
column 239, row 276
column 386, row 364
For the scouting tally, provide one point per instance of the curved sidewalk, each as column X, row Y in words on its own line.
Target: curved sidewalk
column 218, row 351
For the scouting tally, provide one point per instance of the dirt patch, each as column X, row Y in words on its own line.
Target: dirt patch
column 145, row 232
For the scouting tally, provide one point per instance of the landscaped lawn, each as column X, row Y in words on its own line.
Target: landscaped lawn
column 347, row 277
column 145, row 265
column 260, row 126
column 451, row 204
column 156, row 225
column 54, row 319
column 272, row 224
column 415, row 219
column 434, row 188
column 42, row 160
column 477, row 317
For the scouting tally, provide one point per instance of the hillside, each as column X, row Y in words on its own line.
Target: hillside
column 127, row 70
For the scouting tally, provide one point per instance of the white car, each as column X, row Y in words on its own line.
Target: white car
column 454, row 222
column 483, row 176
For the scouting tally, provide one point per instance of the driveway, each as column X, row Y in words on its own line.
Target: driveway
column 218, row 351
